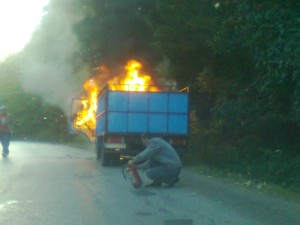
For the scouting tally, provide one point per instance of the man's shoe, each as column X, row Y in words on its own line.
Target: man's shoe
column 173, row 182
column 154, row 184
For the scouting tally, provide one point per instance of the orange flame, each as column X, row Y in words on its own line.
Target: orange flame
column 86, row 119
column 133, row 81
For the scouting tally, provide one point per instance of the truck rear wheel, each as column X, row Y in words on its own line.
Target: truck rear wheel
column 98, row 154
column 104, row 158
column 98, row 148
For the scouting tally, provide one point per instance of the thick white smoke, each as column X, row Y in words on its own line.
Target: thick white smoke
column 48, row 60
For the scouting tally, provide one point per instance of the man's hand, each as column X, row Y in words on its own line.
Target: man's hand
column 130, row 162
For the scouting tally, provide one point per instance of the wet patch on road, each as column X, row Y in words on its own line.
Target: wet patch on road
column 8, row 204
column 164, row 211
column 178, row 222
column 143, row 213
column 143, row 193
column 80, row 157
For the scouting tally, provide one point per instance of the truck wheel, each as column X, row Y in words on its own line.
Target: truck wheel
column 98, row 148
column 98, row 154
column 104, row 158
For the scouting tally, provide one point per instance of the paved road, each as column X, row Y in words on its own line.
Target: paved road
column 44, row 184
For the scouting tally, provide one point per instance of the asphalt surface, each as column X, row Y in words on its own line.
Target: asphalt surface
column 51, row 184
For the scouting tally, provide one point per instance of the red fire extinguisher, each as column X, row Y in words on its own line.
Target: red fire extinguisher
column 133, row 174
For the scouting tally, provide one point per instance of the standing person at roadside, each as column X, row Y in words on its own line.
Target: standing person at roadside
column 159, row 160
column 5, row 134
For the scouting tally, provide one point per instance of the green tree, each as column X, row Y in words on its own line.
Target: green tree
column 114, row 31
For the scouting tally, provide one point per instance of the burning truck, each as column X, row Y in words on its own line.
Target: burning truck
column 115, row 115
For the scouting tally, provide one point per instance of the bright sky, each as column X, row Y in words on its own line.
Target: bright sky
column 18, row 19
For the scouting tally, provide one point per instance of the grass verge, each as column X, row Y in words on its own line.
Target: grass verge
column 242, row 180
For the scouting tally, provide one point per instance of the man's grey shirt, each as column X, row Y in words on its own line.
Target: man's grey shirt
column 159, row 151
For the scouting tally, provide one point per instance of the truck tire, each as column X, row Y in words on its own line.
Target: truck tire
column 98, row 148
column 104, row 158
column 98, row 154
column 101, row 154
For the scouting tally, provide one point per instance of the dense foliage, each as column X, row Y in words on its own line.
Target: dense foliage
column 240, row 59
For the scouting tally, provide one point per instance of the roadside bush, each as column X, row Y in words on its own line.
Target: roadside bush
column 262, row 164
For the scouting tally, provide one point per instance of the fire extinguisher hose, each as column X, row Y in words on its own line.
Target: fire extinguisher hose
column 123, row 171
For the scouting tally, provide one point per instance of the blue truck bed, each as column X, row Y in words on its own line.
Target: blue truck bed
column 157, row 113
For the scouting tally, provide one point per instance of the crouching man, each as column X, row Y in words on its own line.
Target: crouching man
column 160, row 162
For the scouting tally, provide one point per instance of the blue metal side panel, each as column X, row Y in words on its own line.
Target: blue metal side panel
column 100, row 125
column 138, row 102
column 137, row 122
column 101, row 105
column 101, row 117
column 178, row 103
column 178, row 124
column 117, row 122
column 158, row 102
column 118, row 101
column 138, row 112
column 158, row 123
